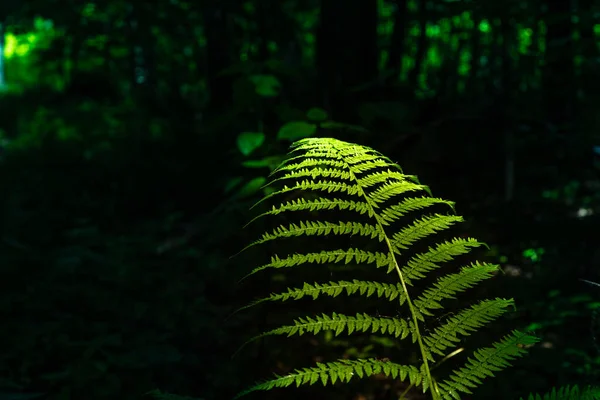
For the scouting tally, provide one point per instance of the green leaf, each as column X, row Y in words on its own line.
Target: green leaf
column 251, row 187
column 262, row 163
column 247, row 142
column 316, row 114
column 266, row 85
column 268, row 162
column 296, row 130
column 232, row 183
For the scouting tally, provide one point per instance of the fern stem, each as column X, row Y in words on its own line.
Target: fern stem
column 432, row 385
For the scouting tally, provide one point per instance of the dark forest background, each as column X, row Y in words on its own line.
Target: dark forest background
column 135, row 135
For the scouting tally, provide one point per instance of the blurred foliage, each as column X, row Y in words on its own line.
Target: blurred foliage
column 134, row 136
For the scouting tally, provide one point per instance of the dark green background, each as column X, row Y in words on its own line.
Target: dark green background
column 135, row 136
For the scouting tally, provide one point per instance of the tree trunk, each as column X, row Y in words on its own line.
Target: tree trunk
column 558, row 72
column 347, row 54
column 218, row 45
column 413, row 76
column 397, row 45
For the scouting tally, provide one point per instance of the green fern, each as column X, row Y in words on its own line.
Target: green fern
column 338, row 178
column 568, row 393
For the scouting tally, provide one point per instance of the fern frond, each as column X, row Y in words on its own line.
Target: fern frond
column 380, row 177
column 464, row 323
column 328, row 257
column 314, row 205
column 449, row 285
column 315, row 173
column 320, row 186
column 319, row 228
column 484, row 363
column 341, row 370
column 340, row 323
column 309, row 163
column 334, row 289
column 344, row 191
column 569, row 393
column 392, row 189
column 393, row 213
column 419, row 265
column 422, row 228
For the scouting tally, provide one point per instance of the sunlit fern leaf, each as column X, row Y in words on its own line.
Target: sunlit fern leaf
column 568, row 393
column 464, row 323
column 340, row 370
column 449, row 285
column 342, row 191
column 334, row 289
column 419, row 265
column 340, row 323
column 484, row 363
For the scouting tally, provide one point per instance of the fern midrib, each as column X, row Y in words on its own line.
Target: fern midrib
column 362, row 193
